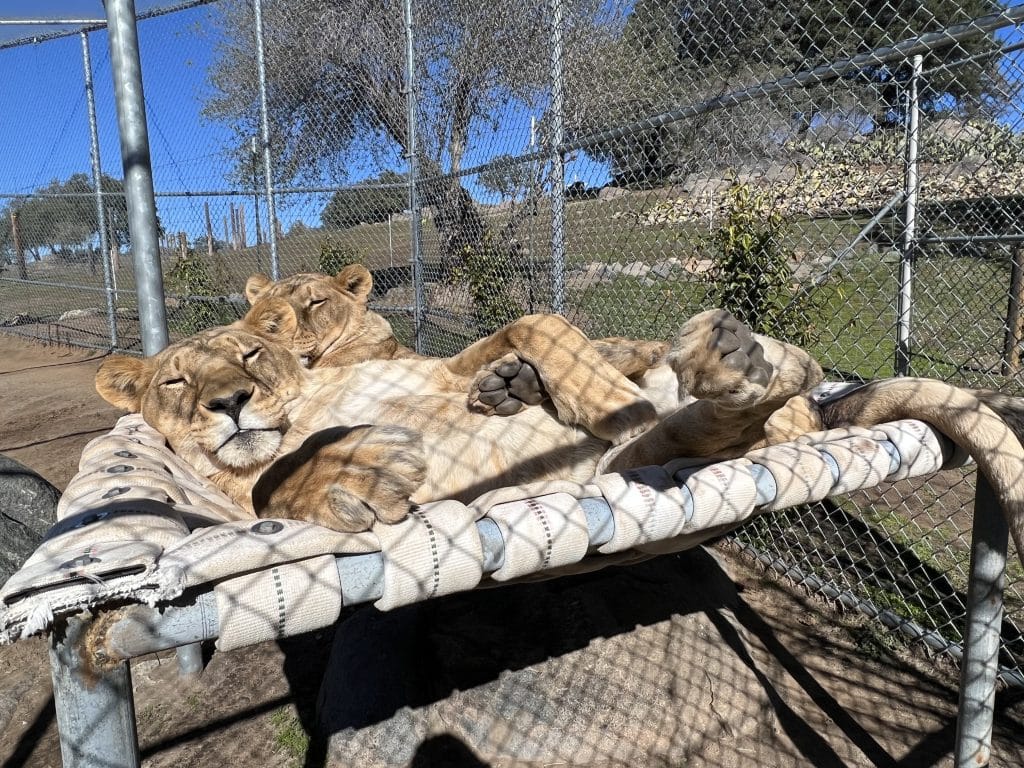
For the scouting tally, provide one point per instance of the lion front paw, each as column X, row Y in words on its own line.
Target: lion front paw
column 717, row 357
column 345, row 478
column 505, row 386
column 382, row 468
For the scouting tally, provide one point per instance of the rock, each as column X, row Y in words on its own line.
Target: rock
column 636, row 269
column 75, row 314
column 611, row 193
column 697, row 184
column 594, row 273
column 19, row 319
column 697, row 266
column 666, row 267
column 28, row 508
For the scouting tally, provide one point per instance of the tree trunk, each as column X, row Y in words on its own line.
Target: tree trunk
column 19, row 251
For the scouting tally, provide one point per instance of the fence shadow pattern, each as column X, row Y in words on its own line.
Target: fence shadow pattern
column 843, row 177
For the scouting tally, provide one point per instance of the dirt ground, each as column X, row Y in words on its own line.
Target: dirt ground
column 696, row 659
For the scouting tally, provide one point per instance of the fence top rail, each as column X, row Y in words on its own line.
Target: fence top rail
column 87, row 25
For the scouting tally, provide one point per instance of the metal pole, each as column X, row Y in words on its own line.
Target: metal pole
column 268, row 171
column 255, row 195
column 557, row 163
column 138, row 172
column 138, row 176
column 905, row 301
column 97, row 182
column 391, row 246
column 95, row 710
column 1014, row 330
column 415, row 218
column 980, row 663
column 531, row 201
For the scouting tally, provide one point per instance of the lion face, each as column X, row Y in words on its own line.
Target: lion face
column 310, row 313
column 219, row 397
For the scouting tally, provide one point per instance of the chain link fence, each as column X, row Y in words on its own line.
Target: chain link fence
column 843, row 175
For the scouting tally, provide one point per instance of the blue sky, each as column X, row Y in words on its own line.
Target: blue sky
column 42, row 96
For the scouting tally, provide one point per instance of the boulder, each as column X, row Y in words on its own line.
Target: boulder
column 28, row 508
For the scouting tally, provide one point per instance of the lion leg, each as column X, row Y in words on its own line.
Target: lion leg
column 505, row 386
column 717, row 357
column 509, row 383
column 739, row 379
column 584, row 388
column 797, row 417
column 345, row 478
column 631, row 357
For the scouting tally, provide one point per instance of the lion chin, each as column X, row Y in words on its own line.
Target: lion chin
column 250, row 447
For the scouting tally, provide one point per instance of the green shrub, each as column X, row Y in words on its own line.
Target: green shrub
column 190, row 278
column 335, row 257
column 487, row 271
column 752, row 275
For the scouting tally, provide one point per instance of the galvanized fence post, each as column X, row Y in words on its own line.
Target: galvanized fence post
column 268, row 170
column 557, row 162
column 905, row 301
column 139, row 194
column 415, row 216
column 980, row 664
column 97, row 181
column 138, row 172
column 95, row 710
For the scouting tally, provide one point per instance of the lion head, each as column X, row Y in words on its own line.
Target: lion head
column 220, row 397
column 324, row 320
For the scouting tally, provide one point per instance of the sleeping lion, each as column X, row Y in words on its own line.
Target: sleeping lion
column 344, row 446
column 334, row 327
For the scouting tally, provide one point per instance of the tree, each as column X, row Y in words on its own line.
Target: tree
column 506, row 178
column 61, row 217
column 368, row 202
column 684, row 52
column 336, row 87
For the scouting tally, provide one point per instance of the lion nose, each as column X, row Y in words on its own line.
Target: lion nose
column 231, row 404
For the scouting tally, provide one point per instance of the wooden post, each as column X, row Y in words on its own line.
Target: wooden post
column 1014, row 327
column 182, row 246
column 243, row 238
column 19, row 251
column 234, row 226
column 209, row 228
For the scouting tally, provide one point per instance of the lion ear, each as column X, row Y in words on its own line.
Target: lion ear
column 271, row 318
column 256, row 286
column 122, row 381
column 355, row 279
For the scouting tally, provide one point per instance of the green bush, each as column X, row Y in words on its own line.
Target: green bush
column 487, row 271
column 334, row 257
column 752, row 276
column 190, row 278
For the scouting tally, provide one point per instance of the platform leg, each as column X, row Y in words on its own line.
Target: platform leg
column 190, row 660
column 980, row 664
column 95, row 712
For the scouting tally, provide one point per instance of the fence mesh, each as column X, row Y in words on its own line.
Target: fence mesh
column 625, row 163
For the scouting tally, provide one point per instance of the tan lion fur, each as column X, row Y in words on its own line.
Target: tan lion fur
column 399, row 429
column 232, row 404
column 332, row 325
column 235, row 406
